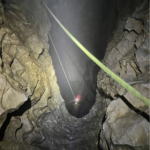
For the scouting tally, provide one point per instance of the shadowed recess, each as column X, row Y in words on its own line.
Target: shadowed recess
column 23, row 108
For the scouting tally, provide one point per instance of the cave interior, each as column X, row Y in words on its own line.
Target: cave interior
column 37, row 105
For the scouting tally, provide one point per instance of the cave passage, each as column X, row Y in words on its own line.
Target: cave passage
column 92, row 25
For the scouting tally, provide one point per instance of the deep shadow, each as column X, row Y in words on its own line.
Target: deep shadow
column 0, row 52
column 143, row 114
column 104, row 119
column 84, row 21
column 3, row 1
column 104, row 95
column 23, row 108
column 87, row 90
column 99, row 146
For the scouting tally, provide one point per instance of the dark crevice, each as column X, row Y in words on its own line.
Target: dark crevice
column 143, row 114
column 138, row 20
column 104, row 95
column 23, row 108
column 11, row 62
column 18, row 129
column 41, row 53
column 135, row 46
column 108, row 146
column 135, row 61
column 1, row 52
column 130, row 31
column 99, row 145
column 104, row 118
column 2, row 65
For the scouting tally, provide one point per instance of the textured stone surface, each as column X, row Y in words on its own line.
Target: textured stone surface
column 33, row 115
column 27, row 79
column 127, row 117
column 63, row 131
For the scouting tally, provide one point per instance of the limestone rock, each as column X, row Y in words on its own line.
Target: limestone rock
column 134, row 24
column 27, row 77
column 127, row 117
column 30, row 98
column 143, row 56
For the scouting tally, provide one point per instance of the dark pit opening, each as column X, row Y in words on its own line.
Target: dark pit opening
column 92, row 25
column 23, row 108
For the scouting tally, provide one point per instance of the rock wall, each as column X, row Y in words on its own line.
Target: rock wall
column 32, row 112
column 63, row 131
column 127, row 117
column 28, row 85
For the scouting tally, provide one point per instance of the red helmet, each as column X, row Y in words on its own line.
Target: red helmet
column 78, row 96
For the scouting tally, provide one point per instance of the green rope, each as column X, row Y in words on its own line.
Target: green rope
column 61, row 65
column 107, row 70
